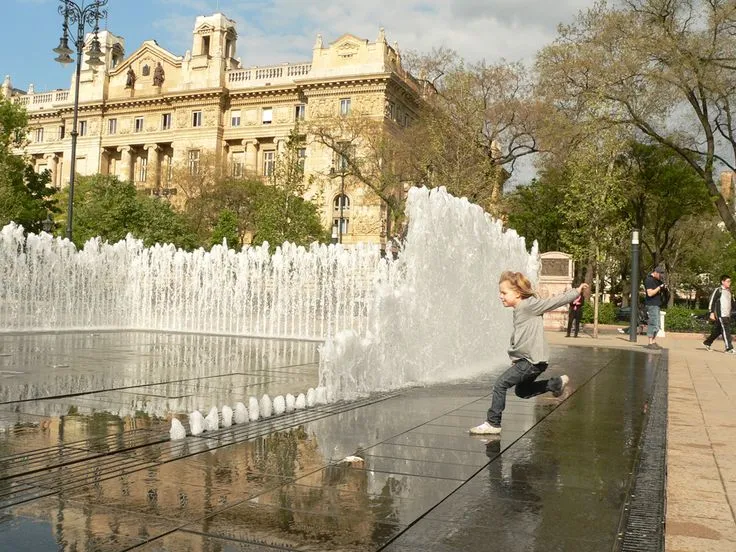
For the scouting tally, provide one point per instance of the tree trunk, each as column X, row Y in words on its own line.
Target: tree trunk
column 596, row 295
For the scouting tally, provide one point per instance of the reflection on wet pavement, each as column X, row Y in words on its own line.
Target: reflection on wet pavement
column 556, row 479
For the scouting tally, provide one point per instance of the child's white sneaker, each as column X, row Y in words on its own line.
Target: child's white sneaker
column 564, row 380
column 485, row 429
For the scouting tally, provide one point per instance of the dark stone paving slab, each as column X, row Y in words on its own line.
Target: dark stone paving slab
column 556, row 479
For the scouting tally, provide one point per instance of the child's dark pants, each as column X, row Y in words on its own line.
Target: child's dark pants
column 523, row 375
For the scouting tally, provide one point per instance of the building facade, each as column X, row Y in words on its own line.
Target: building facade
column 143, row 114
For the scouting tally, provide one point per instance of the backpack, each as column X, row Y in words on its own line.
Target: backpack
column 664, row 296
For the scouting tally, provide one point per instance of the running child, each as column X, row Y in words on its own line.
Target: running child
column 529, row 352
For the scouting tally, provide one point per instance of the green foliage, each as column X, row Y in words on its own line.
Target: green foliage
column 606, row 313
column 535, row 211
column 25, row 196
column 106, row 207
column 226, row 229
column 681, row 319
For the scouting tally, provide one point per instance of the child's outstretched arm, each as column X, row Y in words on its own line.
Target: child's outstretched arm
column 541, row 306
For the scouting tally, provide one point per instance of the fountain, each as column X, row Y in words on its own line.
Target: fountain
column 431, row 315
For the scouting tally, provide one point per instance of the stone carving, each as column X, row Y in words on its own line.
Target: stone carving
column 347, row 49
column 158, row 75
column 282, row 115
column 130, row 79
column 210, row 117
column 146, row 70
column 251, row 116
column 182, row 117
column 318, row 42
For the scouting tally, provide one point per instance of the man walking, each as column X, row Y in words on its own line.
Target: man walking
column 653, row 285
column 720, row 314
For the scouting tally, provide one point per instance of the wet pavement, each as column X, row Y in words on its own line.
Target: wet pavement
column 86, row 463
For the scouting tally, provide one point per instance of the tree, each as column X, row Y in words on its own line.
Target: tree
column 25, row 196
column 106, row 207
column 663, row 67
column 535, row 210
column 371, row 152
column 593, row 208
column 226, row 229
column 477, row 121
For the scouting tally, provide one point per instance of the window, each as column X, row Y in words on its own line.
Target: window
column 237, row 169
column 342, row 156
column 82, row 128
column 112, row 126
column 193, row 162
column 336, row 225
column 342, row 200
column 196, row 118
column 62, row 132
column 391, row 111
column 235, row 117
column 300, row 112
column 345, row 106
column 39, row 135
column 269, row 162
column 301, row 156
column 138, row 127
column 267, row 115
column 166, row 121
column 142, row 169
column 205, row 45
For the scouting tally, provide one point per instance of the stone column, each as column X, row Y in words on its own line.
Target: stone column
column 52, row 162
column 126, row 162
column 251, row 155
column 153, row 176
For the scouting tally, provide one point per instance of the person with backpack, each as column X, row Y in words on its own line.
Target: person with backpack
column 720, row 307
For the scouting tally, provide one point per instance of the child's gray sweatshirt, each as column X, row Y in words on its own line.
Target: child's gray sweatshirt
column 527, row 339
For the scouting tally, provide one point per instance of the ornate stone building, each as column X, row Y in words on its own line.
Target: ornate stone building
column 142, row 114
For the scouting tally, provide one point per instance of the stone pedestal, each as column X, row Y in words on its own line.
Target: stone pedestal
column 555, row 278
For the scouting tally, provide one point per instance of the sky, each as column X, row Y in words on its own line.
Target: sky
column 277, row 31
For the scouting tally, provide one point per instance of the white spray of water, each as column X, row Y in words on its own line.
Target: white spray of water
column 253, row 410
column 266, row 406
column 196, row 422
column 436, row 314
column 227, row 416
column 241, row 413
column 301, row 402
column 177, row 430
column 279, row 405
column 290, row 402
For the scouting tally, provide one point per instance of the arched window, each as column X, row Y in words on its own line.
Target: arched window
column 342, row 200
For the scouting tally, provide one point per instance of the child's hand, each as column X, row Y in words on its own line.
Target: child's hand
column 582, row 288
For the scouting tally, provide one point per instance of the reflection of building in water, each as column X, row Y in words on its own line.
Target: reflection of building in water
column 323, row 502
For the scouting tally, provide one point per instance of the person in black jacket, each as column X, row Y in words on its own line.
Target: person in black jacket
column 575, row 314
column 720, row 307
column 653, row 285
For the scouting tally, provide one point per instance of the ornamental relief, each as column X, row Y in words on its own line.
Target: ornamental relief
column 365, row 221
column 182, row 116
column 321, row 107
column 250, row 116
column 210, row 117
column 282, row 115
column 94, row 127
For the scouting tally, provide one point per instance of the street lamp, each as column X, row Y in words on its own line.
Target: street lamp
column 48, row 224
column 82, row 16
column 333, row 172
column 634, row 316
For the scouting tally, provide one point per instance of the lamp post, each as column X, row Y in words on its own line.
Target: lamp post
column 82, row 16
column 333, row 172
column 48, row 224
column 634, row 316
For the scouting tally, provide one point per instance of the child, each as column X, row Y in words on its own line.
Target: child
column 529, row 352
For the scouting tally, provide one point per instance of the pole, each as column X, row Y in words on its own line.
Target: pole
column 634, row 316
column 342, row 204
column 73, row 160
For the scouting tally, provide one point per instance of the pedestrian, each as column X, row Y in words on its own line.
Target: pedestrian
column 654, row 286
column 529, row 352
column 575, row 314
column 719, row 309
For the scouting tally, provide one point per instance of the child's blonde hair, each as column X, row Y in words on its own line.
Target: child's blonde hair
column 519, row 282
